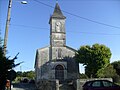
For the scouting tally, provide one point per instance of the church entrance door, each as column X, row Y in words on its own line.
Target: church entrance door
column 59, row 72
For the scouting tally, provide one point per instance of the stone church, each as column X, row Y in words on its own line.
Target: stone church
column 56, row 61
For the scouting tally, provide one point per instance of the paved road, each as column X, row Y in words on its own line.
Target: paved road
column 23, row 86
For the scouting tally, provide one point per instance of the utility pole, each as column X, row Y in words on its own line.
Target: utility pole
column 8, row 23
column 7, row 26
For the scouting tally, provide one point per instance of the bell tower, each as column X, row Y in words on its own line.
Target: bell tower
column 57, row 33
column 51, row 62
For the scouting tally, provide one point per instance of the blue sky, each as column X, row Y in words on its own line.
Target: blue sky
column 29, row 27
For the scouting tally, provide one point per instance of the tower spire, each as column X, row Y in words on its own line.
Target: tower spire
column 57, row 11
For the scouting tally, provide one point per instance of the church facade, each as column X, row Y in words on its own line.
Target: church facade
column 56, row 61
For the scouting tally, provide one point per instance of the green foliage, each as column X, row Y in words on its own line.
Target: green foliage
column 28, row 74
column 116, row 79
column 116, row 65
column 94, row 58
column 31, row 74
column 19, row 74
column 5, row 65
column 83, row 76
column 106, row 72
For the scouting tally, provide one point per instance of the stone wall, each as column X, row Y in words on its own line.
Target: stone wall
column 65, row 52
column 45, row 84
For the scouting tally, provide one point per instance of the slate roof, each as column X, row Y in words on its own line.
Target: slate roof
column 57, row 12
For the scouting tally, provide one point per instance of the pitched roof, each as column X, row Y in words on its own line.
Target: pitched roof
column 57, row 12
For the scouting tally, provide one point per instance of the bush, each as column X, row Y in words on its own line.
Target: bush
column 83, row 76
column 116, row 79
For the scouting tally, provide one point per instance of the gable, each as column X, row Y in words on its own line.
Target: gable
column 42, row 56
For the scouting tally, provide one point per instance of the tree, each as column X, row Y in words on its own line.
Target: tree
column 83, row 76
column 2, row 70
column 19, row 73
column 93, row 57
column 29, row 74
column 116, row 65
column 107, row 72
column 6, row 64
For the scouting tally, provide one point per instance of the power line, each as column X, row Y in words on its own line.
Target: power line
column 87, row 19
column 25, row 26
column 108, row 34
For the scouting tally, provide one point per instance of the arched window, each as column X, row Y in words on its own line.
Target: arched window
column 59, row 72
column 59, row 53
